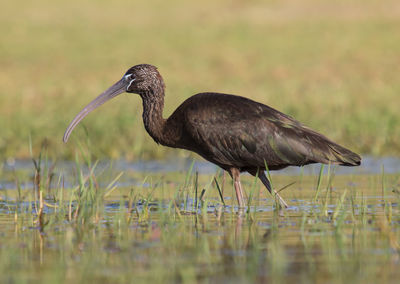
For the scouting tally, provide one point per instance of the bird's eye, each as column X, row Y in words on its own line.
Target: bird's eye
column 128, row 77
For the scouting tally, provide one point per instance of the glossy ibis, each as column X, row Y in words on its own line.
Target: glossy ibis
column 233, row 132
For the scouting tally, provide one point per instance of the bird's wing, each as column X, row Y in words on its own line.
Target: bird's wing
column 297, row 144
column 231, row 130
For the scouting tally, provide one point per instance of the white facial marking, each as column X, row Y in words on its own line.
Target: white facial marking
column 130, row 83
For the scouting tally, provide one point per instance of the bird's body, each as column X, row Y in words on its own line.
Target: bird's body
column 233, row 132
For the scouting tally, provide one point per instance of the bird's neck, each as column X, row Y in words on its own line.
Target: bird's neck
column 153, row 105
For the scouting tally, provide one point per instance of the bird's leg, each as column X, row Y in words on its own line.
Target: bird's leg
column 267, row 184
column 223, row 182
column 235, row 174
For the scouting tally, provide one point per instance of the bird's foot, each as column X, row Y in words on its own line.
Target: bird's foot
column 282, row 202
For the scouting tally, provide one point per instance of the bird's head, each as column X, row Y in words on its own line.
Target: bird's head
column 142, row 79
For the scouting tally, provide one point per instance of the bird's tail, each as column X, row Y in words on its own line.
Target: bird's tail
column 343, row 156
column 328, row 152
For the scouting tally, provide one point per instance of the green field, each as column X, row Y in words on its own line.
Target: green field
column 333, row 66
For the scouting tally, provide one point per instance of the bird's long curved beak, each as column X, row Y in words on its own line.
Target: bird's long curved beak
column 110, row 93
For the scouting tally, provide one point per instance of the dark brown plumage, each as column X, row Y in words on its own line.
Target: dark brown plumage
column 233, row 132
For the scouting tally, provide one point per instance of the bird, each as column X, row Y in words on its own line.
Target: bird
column 234, row 132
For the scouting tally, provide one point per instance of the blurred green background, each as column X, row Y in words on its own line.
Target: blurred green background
column 334, row 65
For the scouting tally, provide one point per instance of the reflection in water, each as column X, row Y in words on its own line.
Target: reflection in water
column 327, row 239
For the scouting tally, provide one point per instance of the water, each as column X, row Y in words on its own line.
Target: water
column 150, row 230
column 337, row 243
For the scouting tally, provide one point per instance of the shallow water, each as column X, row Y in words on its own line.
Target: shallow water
column 308, row 242
column 151, row 227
